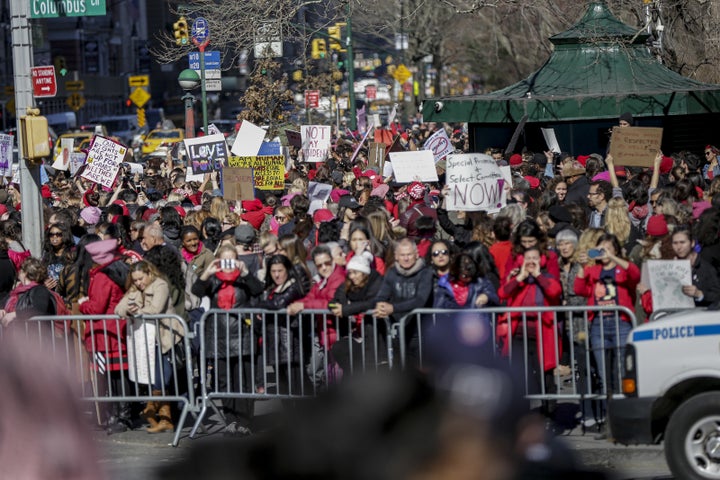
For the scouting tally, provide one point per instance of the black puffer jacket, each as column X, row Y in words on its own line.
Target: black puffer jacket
column 232, row 333
column 277, row 328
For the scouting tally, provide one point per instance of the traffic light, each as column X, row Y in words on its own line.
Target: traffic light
column 180, row 29
column 336, row 36
column 60, row 65
column 319, row 48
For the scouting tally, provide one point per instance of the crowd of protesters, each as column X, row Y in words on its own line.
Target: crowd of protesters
column 575, row 231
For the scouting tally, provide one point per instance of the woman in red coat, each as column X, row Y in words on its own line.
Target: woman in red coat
column 530, row 286
column 529, row 234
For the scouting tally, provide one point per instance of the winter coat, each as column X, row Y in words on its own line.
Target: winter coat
column 626, row 281
column 106, row 336
column 274, row 328
column 548, row 290
column 577, row 192
column 230, row 328
column 548, row 264
column 7, row 276
column 445, row 299
column 408, row 289
column 321, row 294
column 462, row 234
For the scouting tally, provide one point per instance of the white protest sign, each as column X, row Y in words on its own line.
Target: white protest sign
column 62, row 162
column 6, row 153
column 667, row 277
column 206, row 153
column 135, row 168
column 551, row 139
column 213, row 129
column 318, row 193
column 103, row 161
column 475, row 182
column 411, row 166
column 77, row 160
column 248, row 140
column 315, row 142
column 439, row 143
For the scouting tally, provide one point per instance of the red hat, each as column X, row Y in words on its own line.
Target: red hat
column 148, row 213
column 45, row 192
column 657, row 226
column 255, row 219
column 337, row 193
column 515, row 160
column 125, row 210
column 322, row 215
column 620, row 171
column 534, row 182
column 416, row 190
column 369, row 174
column 666, row 165
column 582, row 159
column 180, row 210
column 252, row 205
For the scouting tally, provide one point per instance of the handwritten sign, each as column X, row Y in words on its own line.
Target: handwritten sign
column 248, row 139
column 410, row 166
column 667, row 278
column 439, row 143
column 103, row 161
column 268, row 171
column 62, row 162
column 635, row 146
column 6, row 153
column 205, row 153
column 315, row 142
column 476, row 183
column 238, row 183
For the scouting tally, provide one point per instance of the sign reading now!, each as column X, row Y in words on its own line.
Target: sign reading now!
column 66, row 8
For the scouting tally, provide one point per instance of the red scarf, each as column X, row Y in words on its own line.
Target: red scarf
column 190, row 256
column 460, row 292
column 15, row 294
column 226, row 294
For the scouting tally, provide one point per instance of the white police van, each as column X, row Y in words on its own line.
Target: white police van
column 672, row 392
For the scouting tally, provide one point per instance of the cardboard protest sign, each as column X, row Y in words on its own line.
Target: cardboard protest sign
column 439, row 143
column 238, row 183
column 294, row 138
column 667, row 277
column 205, row 153
column 6, row 154
column 315, row 142
column 635, row 146
column 77, row 160
column 411, row 166
column 67, row 146
column 103, row 161
column 475, row 181
column 268, row 171
column 248, row 140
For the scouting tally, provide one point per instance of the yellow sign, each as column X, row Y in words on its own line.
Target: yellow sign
column 139, row 96
column 74, row 85
column 401, row 73
column 76, row 101
column 268, row 170
column 139, row 81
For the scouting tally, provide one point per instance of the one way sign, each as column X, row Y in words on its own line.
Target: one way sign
column 44, row 83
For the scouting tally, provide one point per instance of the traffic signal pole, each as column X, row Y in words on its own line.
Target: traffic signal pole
column 32, row 214
column 351, row 73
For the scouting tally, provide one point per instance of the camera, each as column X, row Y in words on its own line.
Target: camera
column 596, row 252
column 439, row 106
column 227, row 263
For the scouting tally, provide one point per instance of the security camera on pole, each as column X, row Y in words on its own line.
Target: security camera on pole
column 201, row 38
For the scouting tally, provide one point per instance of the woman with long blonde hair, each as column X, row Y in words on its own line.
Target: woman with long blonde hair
column 219, row 208
column 617, row 222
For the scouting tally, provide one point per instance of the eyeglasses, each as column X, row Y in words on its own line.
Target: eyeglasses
column 437, row 253
column 280, row 218
column 324, row 264
column 55, row 234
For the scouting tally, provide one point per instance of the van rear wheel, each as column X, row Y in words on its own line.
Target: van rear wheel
column 692, row 438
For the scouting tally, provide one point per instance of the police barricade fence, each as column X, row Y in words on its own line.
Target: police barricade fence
column 254, row 354
column 117, row 360
column 595, row 349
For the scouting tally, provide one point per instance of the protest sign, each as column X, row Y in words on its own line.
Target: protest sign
column 77, row 160
column 439, row 143
column 6, row 155
column 667, row 278
column 318, row 193
column 551, row 139
column 315, row 142
column 248, row 140
column 268, row 171
column 475, row 183
column 294, row 138
column 270, row 148
column 238, row 183
column 411, row 166
column 62, row 162
column 635, row 146
column 205, row 153
column 103, row 161
column 376, row 155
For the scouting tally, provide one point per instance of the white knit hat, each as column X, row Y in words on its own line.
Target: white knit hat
column 360, row 263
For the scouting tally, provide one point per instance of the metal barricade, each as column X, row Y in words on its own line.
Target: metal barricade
column 117, row 360
column 595, row 354
column 255, row 354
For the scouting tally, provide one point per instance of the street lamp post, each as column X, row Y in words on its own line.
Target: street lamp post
column 189, row 80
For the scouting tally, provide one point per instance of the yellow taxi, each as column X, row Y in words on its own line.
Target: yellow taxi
column 77, row 138
column 162, row 138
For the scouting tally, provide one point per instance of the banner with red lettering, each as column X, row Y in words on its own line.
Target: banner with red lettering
column 475, row 183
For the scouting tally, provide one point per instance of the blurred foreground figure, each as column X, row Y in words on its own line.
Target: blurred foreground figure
column 42, row 430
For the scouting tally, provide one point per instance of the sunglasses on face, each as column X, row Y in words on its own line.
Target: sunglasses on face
column 55, row 234
column 437, row 253
column 324, row 264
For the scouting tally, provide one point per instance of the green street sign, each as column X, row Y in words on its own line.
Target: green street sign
column 66, row 8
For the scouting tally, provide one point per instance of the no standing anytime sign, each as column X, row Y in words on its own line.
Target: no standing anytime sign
column 44, row 83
